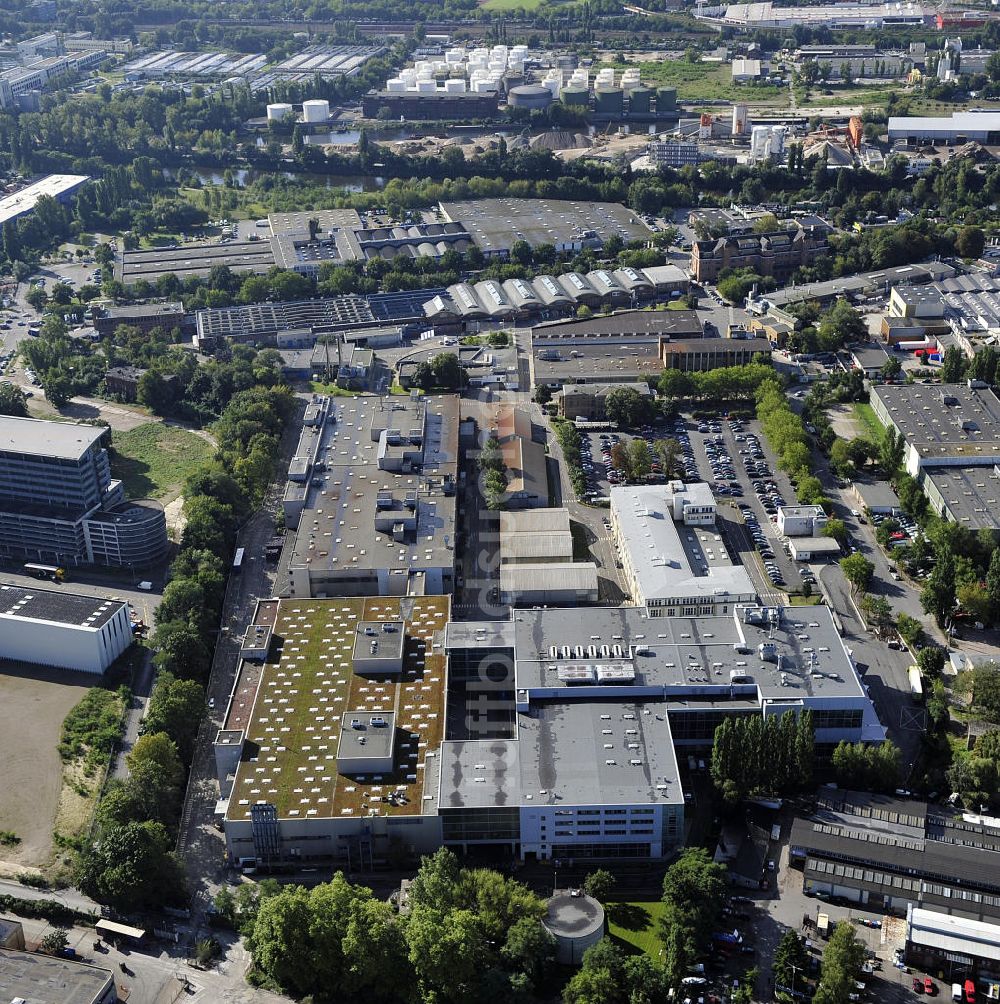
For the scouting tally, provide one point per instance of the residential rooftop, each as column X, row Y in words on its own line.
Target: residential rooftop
column 37, row 437
column 497, row 224
column 306, row 686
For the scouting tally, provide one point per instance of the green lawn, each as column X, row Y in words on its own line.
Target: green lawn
column 637, row 925
column 866, row 416
column 510, row 5
column 154, row 460
column 704, row 81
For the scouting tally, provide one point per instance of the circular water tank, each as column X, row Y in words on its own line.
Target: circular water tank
column 609, row 101
column 640, row 101
column 529, row 96
column 316, row 110
column 277, row 112
column 666, row 99
column 578, row 97
column 576, row 921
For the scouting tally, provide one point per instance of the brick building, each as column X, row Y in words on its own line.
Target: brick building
column 776, row 254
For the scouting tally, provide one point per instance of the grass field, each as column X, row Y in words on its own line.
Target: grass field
column 510, row 5
column 154, row 460
column 705, row 82
column 637, row 925
column 867, row 417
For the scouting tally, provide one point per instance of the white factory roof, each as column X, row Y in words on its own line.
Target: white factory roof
column 956, row 122
column 671, row 560
column 19, row 203
column 953, row 934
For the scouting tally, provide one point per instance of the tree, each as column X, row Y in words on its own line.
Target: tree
column 982, row 684
column 279, row 941
column 837, row 529
column 891, row 450
column 930, row 661
column 891, row 368
column 953, row 364
column 858, row 571
column 910, row 629
column 670, row 456
column 176, row 708
column 54, row 942
column 970, row 242
column 841, row 966
column 599, row 884
column 131, row 867
column 12, row 400
column 530, row 947
column 938, row 597
column 156, row 392
column 694, row 888
column 877, row 611
column 36, row 297
column 639, row 459
column 993, row 583
column 627, row 407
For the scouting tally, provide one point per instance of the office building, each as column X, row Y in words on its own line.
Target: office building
column 62, row 629
column 701, row 354
column 674, row 561
column 45, row 979
column 59, row 503
column 589, row 401
column 888, row 853
column 671, row 153
column 370, row 497
column 776, row 254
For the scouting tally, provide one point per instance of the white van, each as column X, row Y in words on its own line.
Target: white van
column 956, row 991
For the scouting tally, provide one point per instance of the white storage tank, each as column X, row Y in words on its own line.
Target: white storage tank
column 396, row 86
column 316, row 110
column 426, row 86
column 576, row 921
column 454, row 86
column 279, row 111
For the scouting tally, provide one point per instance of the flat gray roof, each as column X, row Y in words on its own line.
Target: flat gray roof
column 869, row 355
column 881, row 281
column 972, row 494
column 941, row 421
column 544, row 576
column 599, row 362
column 496, row 224
column 37, row 437
column 76, row 609
column 573, row 914
column 337, row 525
column 681, row 657
column 195, row 259
column 597, row 753
column 652, row 323
column 534, row 520
column 379, row 640
column 44, row 979
column 366, row 734
column 877, row 495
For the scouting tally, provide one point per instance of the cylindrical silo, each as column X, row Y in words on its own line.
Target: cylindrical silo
column 279, row 111
column 640, row 101
column 609, row 101
column 576, row 921
column 666, row 99
column 575, row 97
column 317, row 110
column 531, row 96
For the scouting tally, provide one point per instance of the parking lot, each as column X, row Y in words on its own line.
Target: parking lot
column 598, row 466
column 737, row 464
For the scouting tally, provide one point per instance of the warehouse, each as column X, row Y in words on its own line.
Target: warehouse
column 754, row 16
column 958, row 946
column 194, row 260
column 954, row 129
column 555, row 583
column 65, row 630
column 58, row 186
column 888, row 853
column 497, row 224
column 966, row 495
column 44, row 979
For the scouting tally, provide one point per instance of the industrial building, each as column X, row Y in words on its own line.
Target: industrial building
column 144, row 316
column 673, row 560
column 524, row 458
column 969, row 496
column 954, row 129
column 546, row 296
column 154, row 65
column 576, row 922
column 325, row 61
column 801, row 520
column 60, row 187
column 194, row 260
column 327, row 755
column 61, row 629
column 964, row 949
column 813, row 548
column 760, row 15
column 435, row 106
column 672, row 153
column 371, row 497
column 46, row 979
column 497, row 224
column 944, row 425
column 59, row 504
column 776, row 254
column 888, row 853
column 701, row 354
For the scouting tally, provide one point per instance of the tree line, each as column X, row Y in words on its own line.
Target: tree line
column 753, row 755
